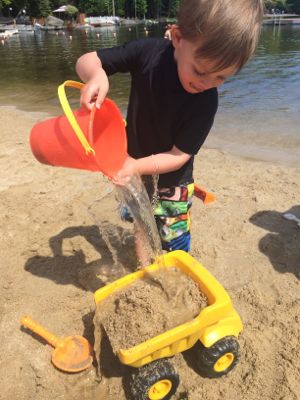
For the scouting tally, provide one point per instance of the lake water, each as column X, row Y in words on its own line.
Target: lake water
column 258, row 115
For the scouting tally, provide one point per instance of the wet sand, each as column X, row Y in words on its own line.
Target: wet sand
column 268, row 136
column 149, row 307
column 53, row 258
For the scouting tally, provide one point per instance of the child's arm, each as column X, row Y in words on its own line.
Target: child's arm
column 152, row 165
column 163, row 162
column 89, row 69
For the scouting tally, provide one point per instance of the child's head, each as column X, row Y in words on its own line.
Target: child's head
column 217, row 36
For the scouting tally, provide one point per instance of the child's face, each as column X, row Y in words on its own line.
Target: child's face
column 196, row 74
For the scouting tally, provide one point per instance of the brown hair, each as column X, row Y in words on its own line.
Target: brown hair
column 230, row 29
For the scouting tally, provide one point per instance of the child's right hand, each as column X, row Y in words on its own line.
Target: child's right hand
column 125, row 174
column 95, row 90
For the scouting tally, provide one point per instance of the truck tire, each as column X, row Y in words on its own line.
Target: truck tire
column 219, row 359
column 155, row 381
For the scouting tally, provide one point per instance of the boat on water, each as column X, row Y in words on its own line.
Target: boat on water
column 38, row 27
column 24, row 28
column 102, row 21
column 84, row 26
column 6, row 33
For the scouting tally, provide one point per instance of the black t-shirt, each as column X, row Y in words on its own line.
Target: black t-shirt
column 161, row 113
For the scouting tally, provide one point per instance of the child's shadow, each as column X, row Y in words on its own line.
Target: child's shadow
column 116, row 258
column 282, row 244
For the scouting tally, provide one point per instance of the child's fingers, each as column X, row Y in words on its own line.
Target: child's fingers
column 99, row 99
column 89, row 95
column 101, row 96
column 94, row 92
column 121, row 178
column 87, row 99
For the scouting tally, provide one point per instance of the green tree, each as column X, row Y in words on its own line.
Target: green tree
column 294, row 6
column 93, row 7
column 57, row 3
column 174, row 8
column 282, row 5
column 141, row 8
column 127, row 8
column 32, row 8
column 171, row 8
column 270, row 4
column 71, row 10
column 37, row 8
column 4, row 3
column 44, row 8
column 155, row 8
column 286, row 5
column 120, row 8
column 158, row 6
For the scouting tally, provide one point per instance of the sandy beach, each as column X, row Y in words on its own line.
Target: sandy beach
column 53, row 258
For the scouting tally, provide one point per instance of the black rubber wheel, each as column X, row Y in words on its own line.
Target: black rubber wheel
column 219, row 359
column 155, row 381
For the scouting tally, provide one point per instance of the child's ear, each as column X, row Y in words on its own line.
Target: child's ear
column 176, row 36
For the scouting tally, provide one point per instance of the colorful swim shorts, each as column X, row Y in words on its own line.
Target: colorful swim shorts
column 172, row 215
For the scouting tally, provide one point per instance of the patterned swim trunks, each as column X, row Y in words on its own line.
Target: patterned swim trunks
column 172, row 215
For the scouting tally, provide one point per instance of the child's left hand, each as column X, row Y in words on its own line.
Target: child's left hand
column 128, row 170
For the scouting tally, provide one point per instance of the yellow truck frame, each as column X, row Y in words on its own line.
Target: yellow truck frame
column 213, row 332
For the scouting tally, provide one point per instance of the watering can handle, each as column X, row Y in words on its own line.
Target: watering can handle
column 70, row 116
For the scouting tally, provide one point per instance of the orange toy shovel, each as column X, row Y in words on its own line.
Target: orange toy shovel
column 71, row 354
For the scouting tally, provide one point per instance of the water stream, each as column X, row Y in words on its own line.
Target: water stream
column 115, row 231
column 134, row 196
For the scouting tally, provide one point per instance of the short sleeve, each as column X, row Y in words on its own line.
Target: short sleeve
column 125, row 58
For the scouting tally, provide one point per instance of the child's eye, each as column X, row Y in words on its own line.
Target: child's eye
column 198, row 73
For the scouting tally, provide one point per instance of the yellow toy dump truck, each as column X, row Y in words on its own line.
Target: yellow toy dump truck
column 214, row 333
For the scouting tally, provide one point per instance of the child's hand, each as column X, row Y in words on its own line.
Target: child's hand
column 128, row 170
column 95, row 90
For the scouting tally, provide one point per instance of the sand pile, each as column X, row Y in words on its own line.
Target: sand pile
column 149, row 307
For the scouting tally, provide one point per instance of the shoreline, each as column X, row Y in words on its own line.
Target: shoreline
column 259, row 153
column 281, row 156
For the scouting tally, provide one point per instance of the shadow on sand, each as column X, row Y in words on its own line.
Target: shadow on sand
column 282, row 244
column 74, row 269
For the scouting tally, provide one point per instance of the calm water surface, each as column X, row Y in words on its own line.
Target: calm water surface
column 259, row 108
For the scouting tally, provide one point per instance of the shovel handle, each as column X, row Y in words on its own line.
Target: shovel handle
column 35, row 327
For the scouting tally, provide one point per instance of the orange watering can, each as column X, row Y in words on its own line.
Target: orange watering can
column 95, row 141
